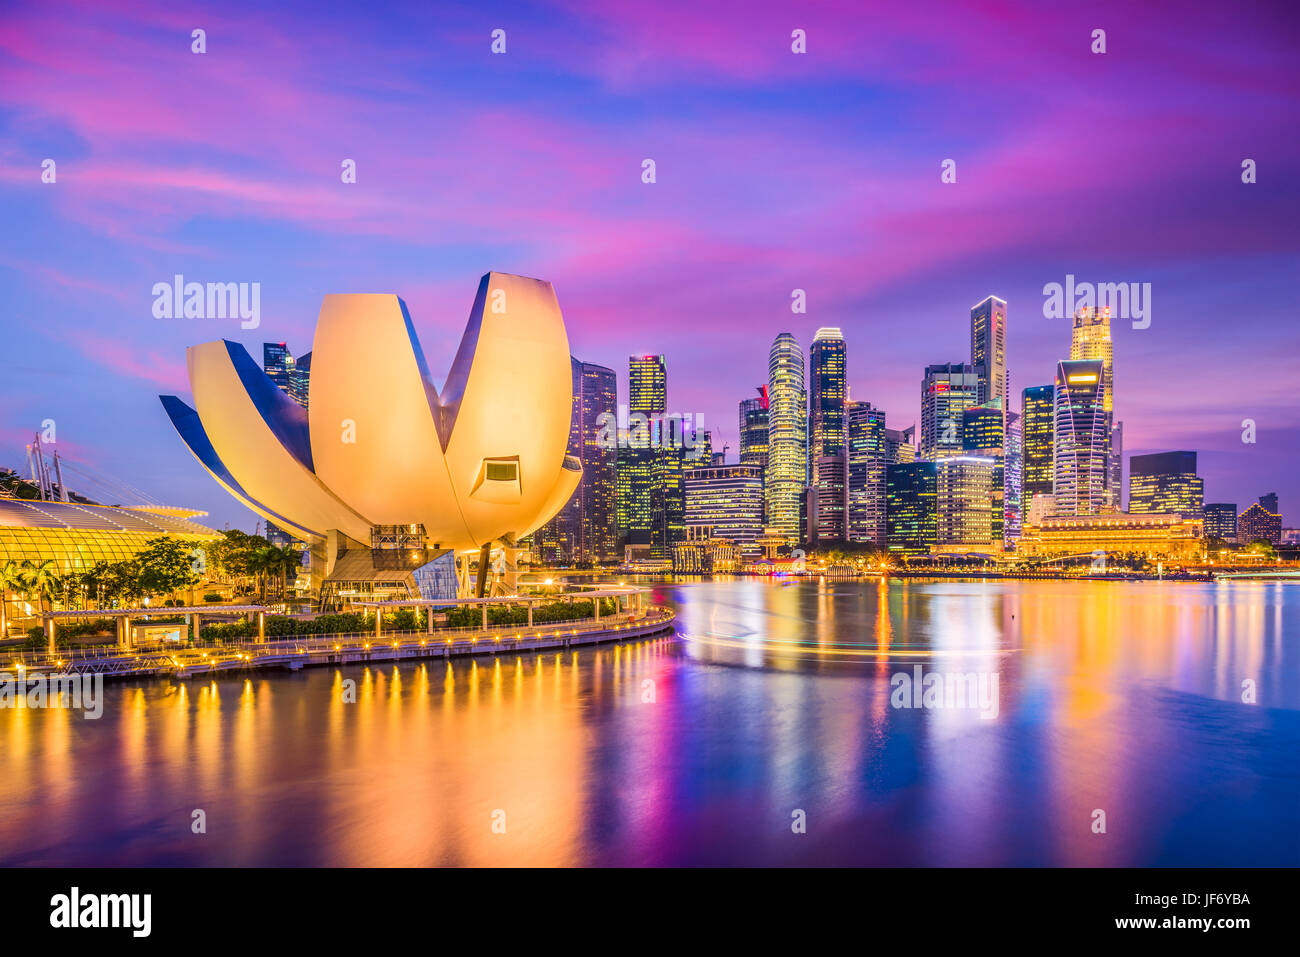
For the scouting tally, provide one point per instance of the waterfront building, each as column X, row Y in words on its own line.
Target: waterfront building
column 1221, row 521
column 653, row 512
column 827, row 437
column 703, row 552
column 947, row 389
column 1037, row 420
column 964, row 487
column 1082, row 438
column 984, row 434
column 483, row 462
column 911, row 518
column 787, row 448
column 753, row 430
column 632, row 475
column 1269, row 503
column 728, row 499
column 1013, row 478
column 867, row 460
column 1090, row 339
column 585, row 529
column 1115, row 468
column 76, row 536
column 1260, row 524
column 1161, row 537
column 1165, row 482
column 988, row 350
column 667, row 499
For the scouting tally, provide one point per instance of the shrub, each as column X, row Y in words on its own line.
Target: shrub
column 211, row 596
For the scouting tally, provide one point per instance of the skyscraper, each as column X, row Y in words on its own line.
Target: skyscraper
column 300, row 379
column 667, row 499
column 988, row 349
column 647, row 380
column 900, row 445
column 753, row 430
column 597, row 493
column 1165, row 482
column 964, row 485
column 1082, row 438
column 275, row 363
column 584, row 529
column 984, row 434
column 946, row 390
column 787, row 449
column 647, row 385
column 826, row 436
column 1090, row 339
column 1038, row 434
column 1013, row 480
column 867, row 459
column 1221, row 521
column 910, row 516
column 728, row 499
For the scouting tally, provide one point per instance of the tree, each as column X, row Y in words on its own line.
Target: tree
column 166, row 566
column 290, row 559
column 11, row 579
column 42, row 578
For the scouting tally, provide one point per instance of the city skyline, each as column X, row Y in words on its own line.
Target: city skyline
column 156, row 179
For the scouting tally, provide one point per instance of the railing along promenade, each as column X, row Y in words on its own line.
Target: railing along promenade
column 295, row 652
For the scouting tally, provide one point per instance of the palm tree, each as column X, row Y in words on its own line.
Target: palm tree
column 11, row 579
column 263, row 563
column 290, row 558
column 43, row 579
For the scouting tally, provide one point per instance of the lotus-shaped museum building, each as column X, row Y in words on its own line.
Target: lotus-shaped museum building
column 483, row 460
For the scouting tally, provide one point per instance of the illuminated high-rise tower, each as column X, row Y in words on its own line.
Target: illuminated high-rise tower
column 1090, row 339
column 988, row 349
column 1038, row 430
column 1166, row 482
column 868, row 457
column 753, row 430
column 647, row 385
column 787, row 436
column 585, row 528
column 1082, row 438
column 946, row 391
column 826, row 436
column 276, row 362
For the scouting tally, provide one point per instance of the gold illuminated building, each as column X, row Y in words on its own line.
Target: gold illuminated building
column 1168, row 536
column 75, row 537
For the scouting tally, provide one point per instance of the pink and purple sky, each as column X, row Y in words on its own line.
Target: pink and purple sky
column 775, row 171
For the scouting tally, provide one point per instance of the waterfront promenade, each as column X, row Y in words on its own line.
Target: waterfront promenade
column 352, row 648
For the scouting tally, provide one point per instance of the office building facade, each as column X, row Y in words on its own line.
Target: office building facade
column 947, row 389
column 867, row 460
column 1082, row 438
column 1221, row 521
column 827, row 391
column 988, row 350
column 911, row 518
column 1165, row 482
column 729, row 500
column 787, row 448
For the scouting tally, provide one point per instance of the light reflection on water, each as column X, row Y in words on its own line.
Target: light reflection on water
column 1121, row 696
